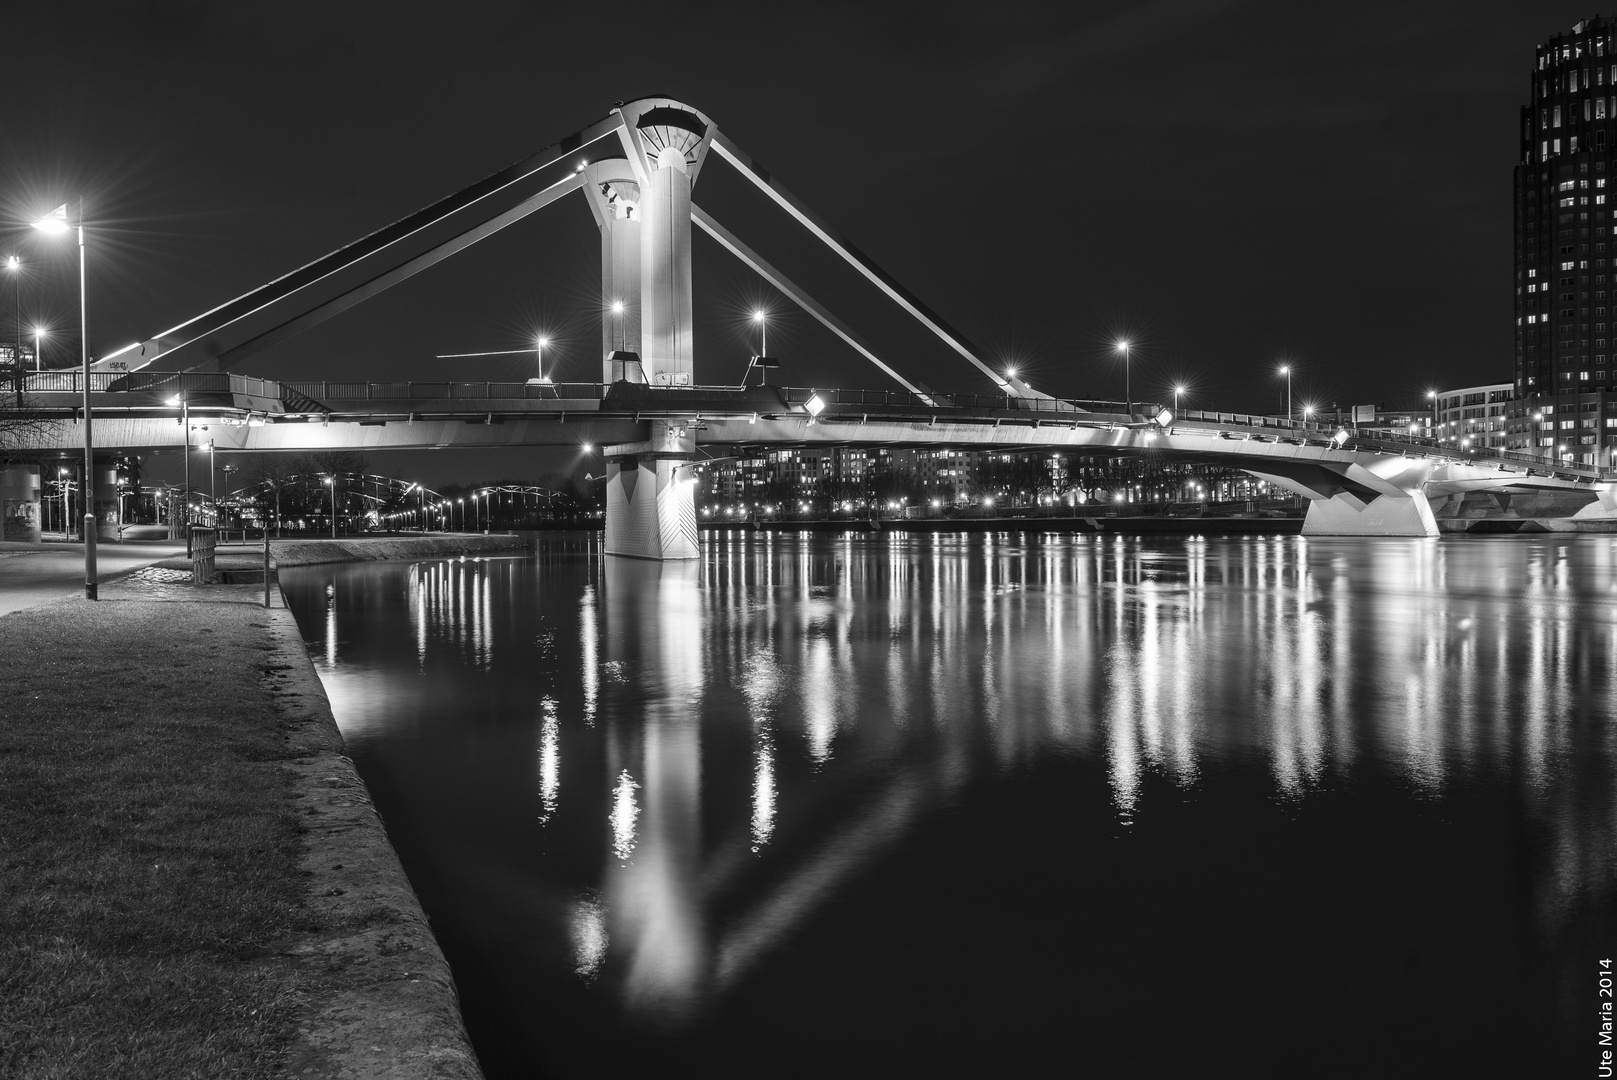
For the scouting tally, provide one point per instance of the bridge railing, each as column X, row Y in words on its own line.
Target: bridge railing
column 445, row 391
column 1387, row 434
column 163, row 383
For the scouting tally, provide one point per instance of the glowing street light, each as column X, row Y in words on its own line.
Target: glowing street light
column 1285, row 369
column 539, row 361
column 1128, row 392
column 330, row 482
column 54, row 224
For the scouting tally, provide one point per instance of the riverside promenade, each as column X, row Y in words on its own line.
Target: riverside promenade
column 196, row 882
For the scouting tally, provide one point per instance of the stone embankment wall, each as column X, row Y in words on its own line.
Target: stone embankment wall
column 309, row 552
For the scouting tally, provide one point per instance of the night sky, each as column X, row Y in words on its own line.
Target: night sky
column 1228, row 184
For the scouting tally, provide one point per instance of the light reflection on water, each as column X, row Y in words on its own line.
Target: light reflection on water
column 768, row 792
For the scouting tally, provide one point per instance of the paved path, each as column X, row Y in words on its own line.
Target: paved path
column 34, row 574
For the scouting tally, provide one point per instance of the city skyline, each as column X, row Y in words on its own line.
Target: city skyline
column 1256, row 220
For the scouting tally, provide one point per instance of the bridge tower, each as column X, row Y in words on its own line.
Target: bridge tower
column 614, row 198
column 642, row 203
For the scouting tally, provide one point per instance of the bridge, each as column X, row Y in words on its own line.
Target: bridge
column 651, row 417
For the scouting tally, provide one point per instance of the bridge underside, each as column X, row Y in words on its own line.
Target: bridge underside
column 1358, row 490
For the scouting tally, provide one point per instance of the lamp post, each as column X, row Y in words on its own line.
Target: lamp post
column 460, row 507
column 228, row 469
column 1285, row 369
column 39, row 347
column 617, row 311
column 1431, row 395
column 331, row 482
column 14, row 264
column 539, row 360
column 1177, row 390
column 213, row 496
column 54, row 224
column 185, row 422
column 61, row 486
column 1128, row 392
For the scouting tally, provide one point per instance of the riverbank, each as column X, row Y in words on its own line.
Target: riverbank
column 197, row 884
column 377, row 549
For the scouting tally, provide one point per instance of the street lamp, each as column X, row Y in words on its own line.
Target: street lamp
column 228, row 469
column 1431, row 395
column 54, row 224
column 539, row 360
column 1285, row 369
column 39, row 347
column 1177, row 390
column 1128, row 392
column 14, row 264
column 617, row 310
column 331, row 482
column 460, row 505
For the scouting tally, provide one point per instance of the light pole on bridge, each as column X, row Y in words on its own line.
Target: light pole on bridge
column 1285, row 369
column 1128, row 391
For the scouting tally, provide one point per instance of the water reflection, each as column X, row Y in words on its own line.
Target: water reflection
column 744, row 740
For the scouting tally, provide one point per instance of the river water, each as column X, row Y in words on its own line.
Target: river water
column 999, row 804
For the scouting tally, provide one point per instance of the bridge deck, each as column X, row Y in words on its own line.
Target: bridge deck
column 240, row 399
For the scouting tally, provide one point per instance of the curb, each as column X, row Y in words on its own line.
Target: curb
column 384, row 1003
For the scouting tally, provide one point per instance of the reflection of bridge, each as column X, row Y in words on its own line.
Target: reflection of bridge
column 637, row 168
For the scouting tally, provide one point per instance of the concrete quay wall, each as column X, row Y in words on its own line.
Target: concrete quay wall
column 376, row 549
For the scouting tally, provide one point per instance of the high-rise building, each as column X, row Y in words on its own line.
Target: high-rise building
column 1564, row 408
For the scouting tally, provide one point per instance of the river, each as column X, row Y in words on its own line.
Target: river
column 1000, row 804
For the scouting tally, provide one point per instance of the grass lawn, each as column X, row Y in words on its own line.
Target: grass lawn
column 148, row 853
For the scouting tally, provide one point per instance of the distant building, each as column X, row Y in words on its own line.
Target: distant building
column 1477, row 416
column 9, row 350
column 1565, row 343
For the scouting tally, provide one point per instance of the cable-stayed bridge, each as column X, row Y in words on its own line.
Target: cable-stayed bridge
column 650, row 414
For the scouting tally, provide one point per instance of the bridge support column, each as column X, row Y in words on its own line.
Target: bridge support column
column 19, row 503
column 105, row 501
column 651, row 496
column 1343, row 514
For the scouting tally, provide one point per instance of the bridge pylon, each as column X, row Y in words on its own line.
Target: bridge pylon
column 651, row 494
